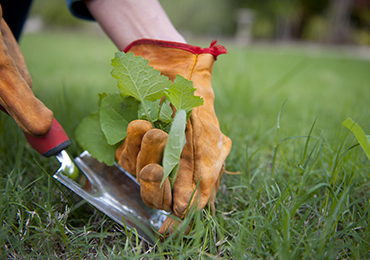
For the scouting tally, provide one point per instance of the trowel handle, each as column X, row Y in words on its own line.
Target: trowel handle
column 55, row 140
column 52, row 143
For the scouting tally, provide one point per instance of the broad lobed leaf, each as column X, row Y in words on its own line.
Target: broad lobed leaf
column 90, row 136
column 137, row 79
column 115, row 114
column 181, row 94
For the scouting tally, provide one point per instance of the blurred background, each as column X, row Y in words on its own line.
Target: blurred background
column 339, row 22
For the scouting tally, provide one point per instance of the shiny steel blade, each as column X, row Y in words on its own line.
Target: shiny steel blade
column 114, row 192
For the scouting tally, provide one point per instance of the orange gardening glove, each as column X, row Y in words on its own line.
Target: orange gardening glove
column 16, row 96
column 203, row 157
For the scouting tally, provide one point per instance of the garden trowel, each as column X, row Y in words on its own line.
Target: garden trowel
column 110, row 189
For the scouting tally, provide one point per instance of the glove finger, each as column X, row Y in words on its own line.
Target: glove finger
column 15, row 52
column 17, row 98
column 201, row 162
column 127, row 152
column 153, row 194
column 209, row 163
column 184, row 184
column 214, row 191
column 151, row 173
column 171, row 225
column 152, row 148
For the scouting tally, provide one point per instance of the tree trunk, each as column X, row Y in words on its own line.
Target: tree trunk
column 339, row 21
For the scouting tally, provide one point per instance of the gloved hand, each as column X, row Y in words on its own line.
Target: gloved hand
column 16, row 96
column 206, row 149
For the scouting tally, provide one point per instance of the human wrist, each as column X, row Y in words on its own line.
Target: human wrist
column 129, row 21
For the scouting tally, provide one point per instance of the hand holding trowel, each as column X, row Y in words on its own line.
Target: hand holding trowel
column 109, row 190
column 202, row 158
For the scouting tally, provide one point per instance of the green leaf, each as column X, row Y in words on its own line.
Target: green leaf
column 152, row 110
column 141, row 89
column 165, row 114
column 115, row 114
column 130, row 107
column 181, row 94
column 359, row 134
column 101, row 96
column 137, row 79
column 91, row 138
column 175, row 143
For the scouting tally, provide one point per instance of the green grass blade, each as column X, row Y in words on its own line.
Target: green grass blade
column 359, row 134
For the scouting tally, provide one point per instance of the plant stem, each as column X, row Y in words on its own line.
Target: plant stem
column 147, row 113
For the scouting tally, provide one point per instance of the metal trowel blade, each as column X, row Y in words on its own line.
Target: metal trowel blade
column 114, row 192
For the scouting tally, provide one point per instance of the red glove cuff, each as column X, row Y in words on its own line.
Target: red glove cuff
column 213, row 49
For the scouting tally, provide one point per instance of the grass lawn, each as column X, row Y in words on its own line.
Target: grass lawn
column 303, row 188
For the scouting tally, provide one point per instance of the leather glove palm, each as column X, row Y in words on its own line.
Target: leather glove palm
column 202, row 159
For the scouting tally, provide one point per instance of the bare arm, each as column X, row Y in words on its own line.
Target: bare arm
column 125, row 21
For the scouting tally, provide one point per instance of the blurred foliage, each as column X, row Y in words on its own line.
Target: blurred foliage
column 361, row 21
column 316, row 28
column 209, row 17
column 307, row 19
column 272, row 19
column 54, row 13
column 300, row 13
